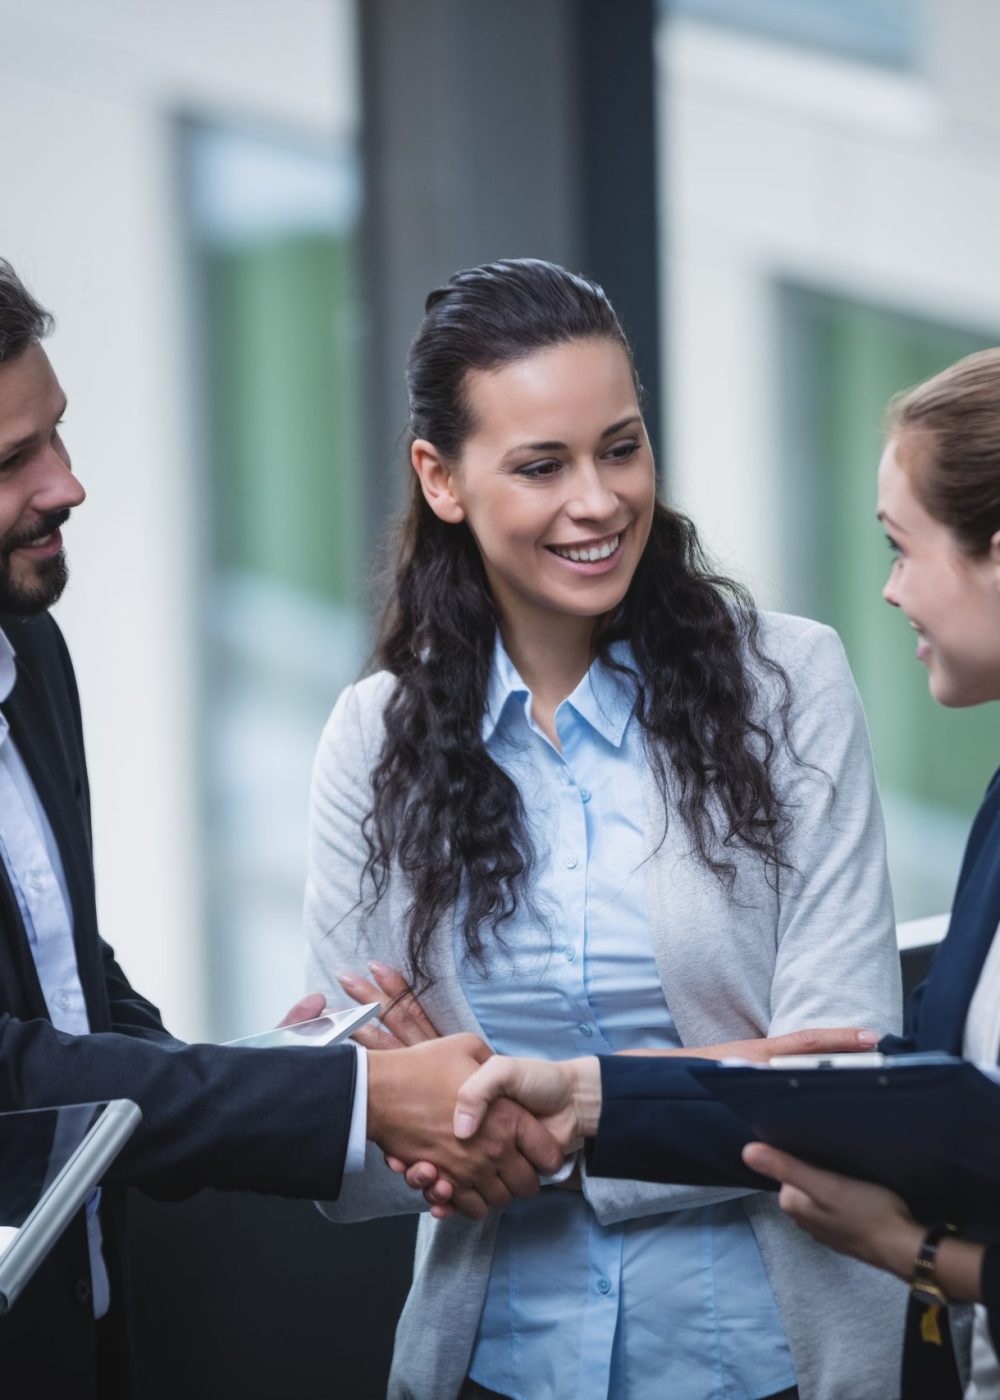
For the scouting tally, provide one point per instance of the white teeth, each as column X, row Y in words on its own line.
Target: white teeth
column 590, row 556
column 44, row 539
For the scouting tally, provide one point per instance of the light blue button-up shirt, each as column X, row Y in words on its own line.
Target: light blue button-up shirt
column 675, row 1305
column 34, row 867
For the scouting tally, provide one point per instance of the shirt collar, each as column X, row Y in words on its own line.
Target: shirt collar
column 605, row 698
column 8, row 668
column 504, row 682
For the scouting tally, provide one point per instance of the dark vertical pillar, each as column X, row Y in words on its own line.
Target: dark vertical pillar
column 501, row 128
column 616, row 135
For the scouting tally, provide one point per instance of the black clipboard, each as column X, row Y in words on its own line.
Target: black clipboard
column 51, row 1161
column 928, row 1131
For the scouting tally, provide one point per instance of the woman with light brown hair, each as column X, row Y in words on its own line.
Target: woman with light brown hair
column 939, row 503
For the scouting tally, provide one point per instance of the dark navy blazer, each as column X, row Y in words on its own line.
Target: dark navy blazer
column 938, row 1009
column 259, row 1120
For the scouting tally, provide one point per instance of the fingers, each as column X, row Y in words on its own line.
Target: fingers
column 497, row 1078
column 761, row 1158
column 401, row 1014
column 362, row 991
column 407, row 1017
column 466, row 1202
column 537, row 1144
column 823, row 1040
column 311, row 1006
column 423, row 1176
column 783, row 1167
column 796, row 1203
column 374, row 1038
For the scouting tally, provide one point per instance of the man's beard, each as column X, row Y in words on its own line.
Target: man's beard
column 43, row 585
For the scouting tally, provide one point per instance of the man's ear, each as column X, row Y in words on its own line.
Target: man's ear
column 437, row 481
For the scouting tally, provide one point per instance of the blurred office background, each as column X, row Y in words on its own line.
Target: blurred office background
column 235, row 208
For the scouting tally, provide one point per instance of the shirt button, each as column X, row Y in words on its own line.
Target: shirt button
column 35, row 881
column 584, row 1029
column 585, row 794
column 571, row 862
column 603, row 1285
column 82, row 1290
column 569, row 952
column 62, row 1000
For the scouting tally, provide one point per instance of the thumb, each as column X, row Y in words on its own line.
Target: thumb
column 478, row 1092
column 307, row 1009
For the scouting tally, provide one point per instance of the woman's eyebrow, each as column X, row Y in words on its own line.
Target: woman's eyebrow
column 561, row 446
column 886, row 519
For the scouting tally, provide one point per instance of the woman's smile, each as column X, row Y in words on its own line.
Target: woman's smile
column 591, row 556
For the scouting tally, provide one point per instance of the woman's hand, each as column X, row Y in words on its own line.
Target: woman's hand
column 865, row 1221
column 404, row 1021
column 853, row 1217
column 821, row 1040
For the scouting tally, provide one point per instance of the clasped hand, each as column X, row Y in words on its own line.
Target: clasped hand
column 471, row 1129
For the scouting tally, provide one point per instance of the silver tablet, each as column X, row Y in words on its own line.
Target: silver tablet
column 328, row 1029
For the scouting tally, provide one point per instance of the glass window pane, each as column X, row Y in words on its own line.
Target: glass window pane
column 842, row 360
column 274, row 225
column 876, row 31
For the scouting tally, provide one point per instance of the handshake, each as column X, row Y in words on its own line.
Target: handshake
column 472, row 1129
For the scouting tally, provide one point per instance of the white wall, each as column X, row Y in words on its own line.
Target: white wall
column 779, row 162
column 89, row 94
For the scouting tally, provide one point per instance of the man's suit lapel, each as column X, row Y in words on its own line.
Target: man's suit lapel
column 60, row 792
column 974, row 921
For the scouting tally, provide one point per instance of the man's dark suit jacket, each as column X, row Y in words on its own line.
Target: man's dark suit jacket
column 273, row 1121
column 657, row 1124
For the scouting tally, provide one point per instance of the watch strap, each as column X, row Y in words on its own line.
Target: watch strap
column 924, row 1283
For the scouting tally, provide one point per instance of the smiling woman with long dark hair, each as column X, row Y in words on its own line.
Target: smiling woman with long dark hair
column 594, row 799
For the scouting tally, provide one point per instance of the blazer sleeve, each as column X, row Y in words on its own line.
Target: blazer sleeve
column 131, row 1013
column 338, row 927
column 658, row 1124
column 272, row 1121
column 835, row 960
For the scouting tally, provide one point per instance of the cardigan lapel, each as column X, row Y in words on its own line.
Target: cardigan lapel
column 59, row 790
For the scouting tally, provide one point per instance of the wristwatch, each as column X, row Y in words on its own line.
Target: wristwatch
column 924, row 1284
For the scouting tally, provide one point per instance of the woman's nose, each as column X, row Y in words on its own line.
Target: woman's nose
column 592, row 498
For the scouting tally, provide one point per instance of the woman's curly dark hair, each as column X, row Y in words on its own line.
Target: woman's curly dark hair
column 443, row 810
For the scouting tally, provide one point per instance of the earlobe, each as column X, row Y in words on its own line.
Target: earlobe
column 437, row 481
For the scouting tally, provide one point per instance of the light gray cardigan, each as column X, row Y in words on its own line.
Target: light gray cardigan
column 733, row 964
